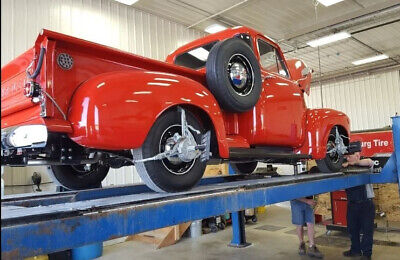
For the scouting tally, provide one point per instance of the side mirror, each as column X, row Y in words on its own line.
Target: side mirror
column 305, row 71
column 300, row 73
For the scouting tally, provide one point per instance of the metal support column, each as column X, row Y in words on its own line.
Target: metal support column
column 391, row 171
column 396, row 145
column 238, row 230
column 238, row 222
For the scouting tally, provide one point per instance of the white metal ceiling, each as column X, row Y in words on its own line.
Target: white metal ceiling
column 294, row 22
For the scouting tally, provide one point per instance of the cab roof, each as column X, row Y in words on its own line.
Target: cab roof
column 225, row 34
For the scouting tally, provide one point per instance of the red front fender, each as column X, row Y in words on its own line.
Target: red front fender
column 116, row 110
column 318, row 126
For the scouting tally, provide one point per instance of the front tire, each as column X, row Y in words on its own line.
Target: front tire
column 169, row 174
column 76, row 177
column 332, row 162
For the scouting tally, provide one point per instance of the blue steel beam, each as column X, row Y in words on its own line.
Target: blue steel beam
column 47, row 198
column 396, row 144
column 22, row 240
column 391, row 171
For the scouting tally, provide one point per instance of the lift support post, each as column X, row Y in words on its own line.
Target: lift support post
column 36, row 224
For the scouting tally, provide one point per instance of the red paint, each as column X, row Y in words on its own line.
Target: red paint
column 374, row 143
column 340, row 215
column 115, row 103
column 339, row 208
column 112, row 98
column 339, row 195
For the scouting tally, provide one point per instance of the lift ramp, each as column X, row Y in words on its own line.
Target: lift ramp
column 36, row 224
column 39, row 224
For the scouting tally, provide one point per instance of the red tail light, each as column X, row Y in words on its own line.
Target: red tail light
column 28, row 89
column 32, row 90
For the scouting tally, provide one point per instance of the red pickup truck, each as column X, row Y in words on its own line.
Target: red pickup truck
column 81, row 108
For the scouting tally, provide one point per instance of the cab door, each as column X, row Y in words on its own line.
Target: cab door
column 281, row 105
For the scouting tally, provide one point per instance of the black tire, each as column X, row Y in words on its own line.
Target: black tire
column 221, row 226
column 74, row 177
column 214, row 229
column 330, row 163
column 162, row 175
column 244, row 168
column 230, row 96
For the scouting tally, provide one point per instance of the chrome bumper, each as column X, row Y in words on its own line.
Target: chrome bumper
column 26, row 136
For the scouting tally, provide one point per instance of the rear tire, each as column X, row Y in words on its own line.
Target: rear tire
column 165, row 175
column 331, row 163
column 244, row 168
column 74, row 177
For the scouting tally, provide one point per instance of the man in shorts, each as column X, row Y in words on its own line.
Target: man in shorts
column 303, row 214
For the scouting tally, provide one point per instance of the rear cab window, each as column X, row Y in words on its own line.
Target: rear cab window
column 270, row 59
column 197, row 57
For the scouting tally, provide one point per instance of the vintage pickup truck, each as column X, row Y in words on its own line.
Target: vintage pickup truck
column 81, row 108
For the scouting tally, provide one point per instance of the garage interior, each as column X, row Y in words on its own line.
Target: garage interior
column 358, row 74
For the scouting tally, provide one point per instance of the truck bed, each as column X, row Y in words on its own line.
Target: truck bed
column 89, row 59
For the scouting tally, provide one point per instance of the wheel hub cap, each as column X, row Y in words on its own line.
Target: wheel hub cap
column 182, row 162
column 238, row 75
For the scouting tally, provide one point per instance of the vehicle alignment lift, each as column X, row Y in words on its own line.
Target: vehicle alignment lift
column 36, row 224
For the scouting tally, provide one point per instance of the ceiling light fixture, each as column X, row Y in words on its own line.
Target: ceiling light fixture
column 214, row 28
column 127, row 2
column 371, row 59
column 329, row 39
column 329, row 2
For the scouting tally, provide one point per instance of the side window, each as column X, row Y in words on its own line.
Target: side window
column 282, row 67
column 246, row 38
column 196, row 58
column 270, row 58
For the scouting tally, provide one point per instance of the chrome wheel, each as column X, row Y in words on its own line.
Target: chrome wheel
column 332, row 151
column 240, row 74
column 335, row 149
column 175, row 164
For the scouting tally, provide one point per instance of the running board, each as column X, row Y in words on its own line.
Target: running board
column 261, row 154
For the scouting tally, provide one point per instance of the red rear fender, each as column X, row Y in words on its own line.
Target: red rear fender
column 116, row 110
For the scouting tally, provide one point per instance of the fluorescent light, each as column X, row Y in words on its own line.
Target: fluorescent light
column 127, row 2
column 329, row 2
column 199, row 53
column 370, row 59
column 215, row 28
column 328, row 39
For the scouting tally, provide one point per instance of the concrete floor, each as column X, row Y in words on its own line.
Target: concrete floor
column 278, row 244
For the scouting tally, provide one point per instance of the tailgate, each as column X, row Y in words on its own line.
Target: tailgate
column 13, row 79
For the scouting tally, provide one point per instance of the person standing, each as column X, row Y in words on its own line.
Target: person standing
column 360, row 213
column 303, row 214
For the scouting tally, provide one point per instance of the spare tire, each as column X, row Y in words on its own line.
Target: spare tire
column 233, row 75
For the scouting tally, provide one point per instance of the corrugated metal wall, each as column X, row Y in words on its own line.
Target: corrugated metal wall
column 102, row 21
column 369, row 101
